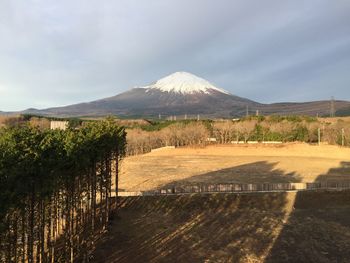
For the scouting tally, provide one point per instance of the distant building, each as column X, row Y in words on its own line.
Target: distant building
column 59, row 125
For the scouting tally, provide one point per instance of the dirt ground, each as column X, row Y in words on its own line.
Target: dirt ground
column 260, row 227
column 257, row 227
column 235, row 164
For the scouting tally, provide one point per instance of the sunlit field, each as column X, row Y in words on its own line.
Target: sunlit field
column 235, row 164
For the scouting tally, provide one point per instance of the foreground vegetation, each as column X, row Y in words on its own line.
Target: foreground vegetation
column 55, row 189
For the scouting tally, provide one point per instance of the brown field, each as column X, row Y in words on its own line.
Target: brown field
column 260, row 227
column 256, row 227
column 236, row 164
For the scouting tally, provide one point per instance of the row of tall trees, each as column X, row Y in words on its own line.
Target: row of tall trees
column 285, row 130
column 55, row 190
column 273, row 128
column 178, row 134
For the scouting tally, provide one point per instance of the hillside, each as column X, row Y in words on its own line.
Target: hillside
column 343, row 112
column 313, row 108
column 275, row 227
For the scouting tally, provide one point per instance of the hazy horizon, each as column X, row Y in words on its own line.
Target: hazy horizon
column 61, row 53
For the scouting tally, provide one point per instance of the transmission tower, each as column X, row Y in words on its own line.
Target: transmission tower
column 332, row 110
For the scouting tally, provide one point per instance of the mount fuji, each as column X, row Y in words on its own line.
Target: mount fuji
column 182, row 93
column 185, row 84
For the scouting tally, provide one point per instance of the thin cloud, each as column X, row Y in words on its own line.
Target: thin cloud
column 56, row 53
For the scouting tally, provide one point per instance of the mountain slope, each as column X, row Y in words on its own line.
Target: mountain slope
column 179, row 93
column 313, row 108
column 183, row 93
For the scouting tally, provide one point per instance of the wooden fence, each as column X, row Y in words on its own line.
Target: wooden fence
column 241, row 188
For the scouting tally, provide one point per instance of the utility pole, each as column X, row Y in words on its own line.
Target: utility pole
column 319, row 136
column 332, row 111
column 323, row 128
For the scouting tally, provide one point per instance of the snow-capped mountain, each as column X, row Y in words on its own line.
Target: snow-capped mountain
column 181, row 94
column 177, row 94
column 184, row 83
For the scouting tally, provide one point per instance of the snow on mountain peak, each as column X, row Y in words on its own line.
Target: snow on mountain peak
column 184, row 83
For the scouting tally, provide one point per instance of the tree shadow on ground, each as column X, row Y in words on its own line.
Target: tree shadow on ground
column 258, row 227
column 201, row 228
column 216, row 228
column 256, row 172
column 337, row 174
column 318, row 230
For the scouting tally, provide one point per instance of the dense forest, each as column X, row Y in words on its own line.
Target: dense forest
column 55, row 189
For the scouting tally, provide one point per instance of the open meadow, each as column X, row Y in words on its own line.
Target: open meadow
column 256, row 163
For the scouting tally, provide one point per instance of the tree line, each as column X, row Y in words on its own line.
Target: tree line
column 253, row 128
column 55, row 190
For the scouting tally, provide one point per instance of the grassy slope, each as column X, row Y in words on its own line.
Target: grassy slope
column 272, row 227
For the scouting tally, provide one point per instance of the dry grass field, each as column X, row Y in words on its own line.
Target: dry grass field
column 256, row 227
column 236, row 164
column 259, row 227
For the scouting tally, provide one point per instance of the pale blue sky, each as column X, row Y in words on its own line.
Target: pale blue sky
column 62, row 52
